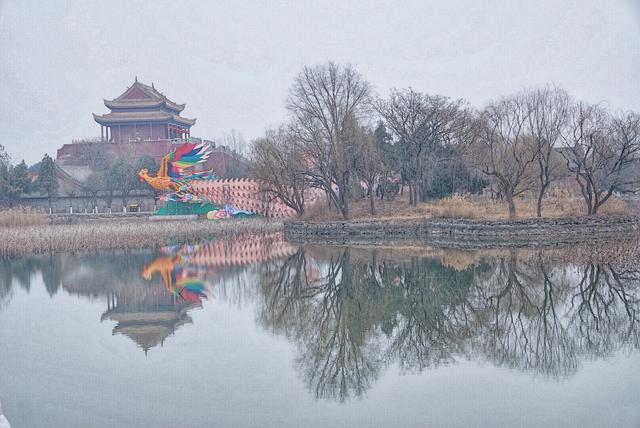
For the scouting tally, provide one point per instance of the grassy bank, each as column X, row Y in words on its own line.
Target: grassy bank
column 469, row 207
column 38, row 238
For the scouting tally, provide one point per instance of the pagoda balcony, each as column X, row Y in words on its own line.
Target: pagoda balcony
column 95, row 140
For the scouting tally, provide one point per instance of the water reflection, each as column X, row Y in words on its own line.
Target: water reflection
column 177, row 279
column 353, row 313
column 520, row 311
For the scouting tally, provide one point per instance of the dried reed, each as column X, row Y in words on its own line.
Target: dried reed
column 22, row 216
column 121, row 234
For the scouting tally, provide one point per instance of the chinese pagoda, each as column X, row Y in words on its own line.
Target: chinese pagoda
column 142, row 113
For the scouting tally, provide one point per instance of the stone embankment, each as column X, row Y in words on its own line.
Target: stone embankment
column 458, row 233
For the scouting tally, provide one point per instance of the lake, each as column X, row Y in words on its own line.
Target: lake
column 260, row 332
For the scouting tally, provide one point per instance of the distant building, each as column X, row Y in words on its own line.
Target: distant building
column 142, row 113
column 142, row 122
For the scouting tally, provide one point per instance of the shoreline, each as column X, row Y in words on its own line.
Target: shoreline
column 125, row 234
column 128, row 232
column 464, row 233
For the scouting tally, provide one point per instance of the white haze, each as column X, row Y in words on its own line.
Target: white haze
column 233, row 62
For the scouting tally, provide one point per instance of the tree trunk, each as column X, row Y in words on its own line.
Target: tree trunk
column 413, row 194
column 512, row 206
column 372, row 207
column 539, row 205
column 595, row 204
column 344, row 204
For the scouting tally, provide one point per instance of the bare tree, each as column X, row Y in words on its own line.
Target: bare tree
column 548, row 113
column 602, row 153
column 503, row 150
column 422, row 123
column 234, row 141
column 280, row 165
column 125, row 179
column 92, row 187
column 368, row 163
column 322, row 101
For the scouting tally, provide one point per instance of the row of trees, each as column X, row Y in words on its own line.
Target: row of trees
column 116, row 178
column 345, row 141
column 15, row 180
column 119, row 178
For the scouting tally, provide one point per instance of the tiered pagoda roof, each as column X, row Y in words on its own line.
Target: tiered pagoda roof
column 142, row 103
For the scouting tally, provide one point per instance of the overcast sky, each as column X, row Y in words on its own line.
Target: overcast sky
column 233, row 62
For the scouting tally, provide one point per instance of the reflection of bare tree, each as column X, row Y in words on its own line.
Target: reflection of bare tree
column 340, row 356
column 605, row 309
column 361, row 315
column 524, row 329
column 330, row 312
column 555, row 349
column 434, row 315
column 287, row 288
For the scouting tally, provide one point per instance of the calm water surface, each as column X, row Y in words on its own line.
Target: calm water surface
column 258, row 332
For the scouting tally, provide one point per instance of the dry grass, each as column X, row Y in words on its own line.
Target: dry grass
column 553, row 207
column 122, row 234
column 470, row 207
column 22, row 216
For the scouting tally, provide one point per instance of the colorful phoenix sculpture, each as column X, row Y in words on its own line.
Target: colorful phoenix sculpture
column 177, row 178
column 175, row 173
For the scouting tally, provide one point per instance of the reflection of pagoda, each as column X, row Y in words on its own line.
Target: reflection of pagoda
column 147, row 315
column 148, row 312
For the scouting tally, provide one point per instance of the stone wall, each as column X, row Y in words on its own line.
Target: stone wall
column 458, row 233
column 80, row 204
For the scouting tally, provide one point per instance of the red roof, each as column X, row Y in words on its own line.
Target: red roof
column 141, row 102
column 141, row 116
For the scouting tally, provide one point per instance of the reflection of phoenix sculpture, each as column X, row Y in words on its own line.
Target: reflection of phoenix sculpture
column 175, row 278
column 177, row 267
